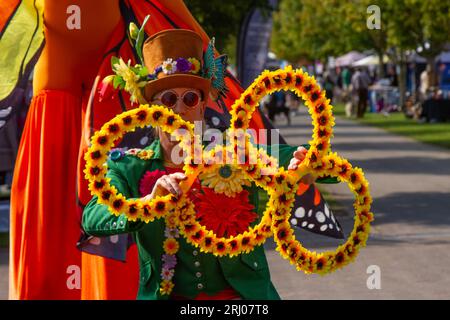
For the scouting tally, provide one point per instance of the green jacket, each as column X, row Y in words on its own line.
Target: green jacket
column 195, row 272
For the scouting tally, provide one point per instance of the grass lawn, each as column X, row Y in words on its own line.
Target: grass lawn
column 433, row 133
column 4, row 239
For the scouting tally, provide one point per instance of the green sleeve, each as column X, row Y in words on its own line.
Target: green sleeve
column 98, row 221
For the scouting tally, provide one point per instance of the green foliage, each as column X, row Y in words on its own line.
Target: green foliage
column 222, row 20
column 140, row 39
column 318, row 29
column 118, row 82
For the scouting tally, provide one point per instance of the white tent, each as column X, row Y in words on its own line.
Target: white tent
column 371, row 60
column 348, row 58
column 444, row 57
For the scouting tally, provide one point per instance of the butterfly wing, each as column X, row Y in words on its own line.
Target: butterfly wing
column 218, row 80
column 209, row 66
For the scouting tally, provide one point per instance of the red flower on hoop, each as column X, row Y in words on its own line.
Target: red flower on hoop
column 225, row 216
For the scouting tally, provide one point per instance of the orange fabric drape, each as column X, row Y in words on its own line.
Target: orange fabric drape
column 44, row 214
column 44, row 261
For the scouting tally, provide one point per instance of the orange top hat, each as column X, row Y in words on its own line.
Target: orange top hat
column 174, row 59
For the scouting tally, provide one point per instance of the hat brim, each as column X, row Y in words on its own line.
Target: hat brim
column 177, row 81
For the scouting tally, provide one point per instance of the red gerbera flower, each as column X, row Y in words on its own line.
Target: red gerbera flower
column 225, row 216
column 148, row 180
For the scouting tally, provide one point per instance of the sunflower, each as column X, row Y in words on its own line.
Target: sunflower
column 246, row 241
column 119, row 205
column 171, row 246
column 107, row 195
column 197, row 237
column 142, row 114
column 341, row 259
column 356, row 178
column 234, row 247
column 293, row 251
column 103, row 141
column 344, row 170
column 190, row 229
column 98, row 185
column 147, row 215
column 135, row 209
column 225, row 179
column 208, row 242
column 366, row 216
column 221, row 248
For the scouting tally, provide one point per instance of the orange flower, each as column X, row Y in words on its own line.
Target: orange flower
column 171, row 246
column 166, row 287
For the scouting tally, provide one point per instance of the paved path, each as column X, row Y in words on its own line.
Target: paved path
column 410, row 184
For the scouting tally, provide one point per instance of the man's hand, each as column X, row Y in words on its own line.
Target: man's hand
column 167, row 184
column 298, row 157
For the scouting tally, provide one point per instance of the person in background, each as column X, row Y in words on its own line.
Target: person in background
column 328, row 85
column 276, row 105
column 346, row 77
column 424, row 83
column 360, row 87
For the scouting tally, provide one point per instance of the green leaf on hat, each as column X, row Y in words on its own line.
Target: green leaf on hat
column 140, row 39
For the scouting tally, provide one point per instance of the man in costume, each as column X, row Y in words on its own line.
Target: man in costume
column 48, row 190
column 175, row 60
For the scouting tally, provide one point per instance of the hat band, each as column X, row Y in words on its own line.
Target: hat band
column 179, row 65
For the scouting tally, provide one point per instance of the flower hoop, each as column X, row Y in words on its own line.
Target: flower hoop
column 208, row 242
column 317, row 162
column 104, row 139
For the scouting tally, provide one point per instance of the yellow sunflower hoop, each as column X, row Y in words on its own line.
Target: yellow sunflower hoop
column 104, row 139
column 317, row 161
column 197, row 234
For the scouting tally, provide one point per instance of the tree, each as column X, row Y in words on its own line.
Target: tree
column 434, row 20
column 222, row 19
column 319, row 29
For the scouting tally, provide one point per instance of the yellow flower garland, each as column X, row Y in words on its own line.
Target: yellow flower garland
column 317, row 161
column 103, row 140
column 281, row 186
column 208, row 242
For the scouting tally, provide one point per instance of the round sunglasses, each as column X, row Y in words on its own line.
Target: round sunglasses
column 169, row 98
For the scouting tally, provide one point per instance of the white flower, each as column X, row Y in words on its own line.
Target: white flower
column 169, row 66
column 167, row 274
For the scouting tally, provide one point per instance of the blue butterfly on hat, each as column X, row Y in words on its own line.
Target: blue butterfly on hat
column 215, row 69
